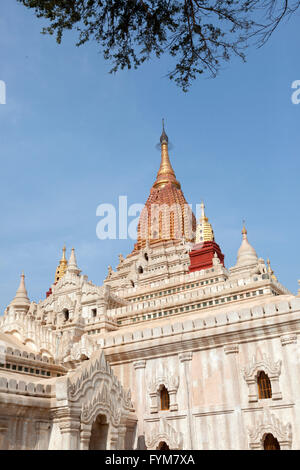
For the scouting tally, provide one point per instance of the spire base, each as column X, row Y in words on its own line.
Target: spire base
column 202, row 256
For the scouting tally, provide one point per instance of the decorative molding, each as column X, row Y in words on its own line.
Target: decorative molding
column 288, row 339
column 171, row 382
column 271, row 368
column 164, row 432
column 3, row 426
column 187, row 356
column 269, row 423
column 90, row 390
column 84, row 348
column 139, row 364
column 266, row 364
column 231, row 349
column 103, row 402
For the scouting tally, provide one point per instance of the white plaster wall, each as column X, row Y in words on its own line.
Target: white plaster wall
column 55, row 437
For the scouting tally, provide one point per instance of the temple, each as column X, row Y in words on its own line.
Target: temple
column 175, row 350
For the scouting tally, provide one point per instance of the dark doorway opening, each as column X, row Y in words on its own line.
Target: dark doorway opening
column 98, row 440
column 271, row 443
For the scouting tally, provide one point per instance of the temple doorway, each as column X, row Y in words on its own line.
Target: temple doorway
column 163, row 446
column 99, row 433
column 271, row 443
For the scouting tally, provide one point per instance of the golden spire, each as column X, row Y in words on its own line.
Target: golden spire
column 165, row 173
column 204, row 231
column 62, row 267
column 244, row 231
column 270, row 270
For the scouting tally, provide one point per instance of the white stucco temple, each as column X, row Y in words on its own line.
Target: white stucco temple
column 173, row 351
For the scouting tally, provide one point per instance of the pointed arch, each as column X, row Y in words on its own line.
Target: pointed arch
column 163, row 432
column 266, row 424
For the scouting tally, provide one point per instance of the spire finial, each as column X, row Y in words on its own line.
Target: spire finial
column 72, row 267
column 203, row 216
column 270, row 270
column 165, row 173
column 244, row 230
column 62, row 267
column 163, row 138
column 204, row 230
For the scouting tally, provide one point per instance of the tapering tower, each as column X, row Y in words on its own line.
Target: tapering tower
column 60, row 270
column 62, row 267
column 166, row 215
column 205, row 249
column 21, row 300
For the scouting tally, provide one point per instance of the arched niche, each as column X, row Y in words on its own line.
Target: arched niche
column 99, row 433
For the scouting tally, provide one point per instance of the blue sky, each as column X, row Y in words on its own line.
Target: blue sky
column 73, row 136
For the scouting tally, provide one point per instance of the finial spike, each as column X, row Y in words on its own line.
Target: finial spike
column 165, row 173
column 244, row 230
column 62, row 267
column 163, row 138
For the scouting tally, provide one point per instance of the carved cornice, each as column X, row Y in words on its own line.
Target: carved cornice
column 288, row 339
column 184, row 357
column 231, row 349
column 139, row 364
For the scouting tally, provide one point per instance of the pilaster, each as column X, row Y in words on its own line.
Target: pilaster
column 139, row 367
column 232, row 353
column 185, row 361
column 85, row 436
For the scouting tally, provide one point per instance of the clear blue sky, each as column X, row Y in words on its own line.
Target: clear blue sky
column 72, row 136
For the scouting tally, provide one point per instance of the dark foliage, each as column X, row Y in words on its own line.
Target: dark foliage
column 199, row 34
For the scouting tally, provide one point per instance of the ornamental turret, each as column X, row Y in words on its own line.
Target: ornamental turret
column 204, row 231
column 205, row 251
column 270, row 270
column 72, row 266
column 246, row 255
column 60, row 270
column 21, row 300
column 62, row 267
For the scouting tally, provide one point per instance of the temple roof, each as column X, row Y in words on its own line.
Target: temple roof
column 166, row 215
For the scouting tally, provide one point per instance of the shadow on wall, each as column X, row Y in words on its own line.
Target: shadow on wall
column 141, row 445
